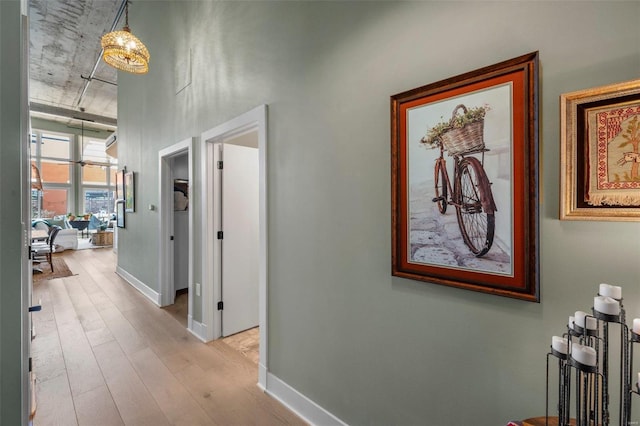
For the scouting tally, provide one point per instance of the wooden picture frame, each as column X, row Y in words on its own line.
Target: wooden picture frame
column 120, row 184
column 465, row 214
column 129, row 192
column 600, row 153
column 120, row 221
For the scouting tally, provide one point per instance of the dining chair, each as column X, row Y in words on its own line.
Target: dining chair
column 44, row 251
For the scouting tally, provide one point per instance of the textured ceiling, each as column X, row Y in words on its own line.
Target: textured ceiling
column 65, row 45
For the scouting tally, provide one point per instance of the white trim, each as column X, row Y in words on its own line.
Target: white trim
column 262, row 376
column 304, row 407
column 256, row 119
column 165, row 210
column 208, row 290
column 150, row 293
column 215, row 210
column 196, row 328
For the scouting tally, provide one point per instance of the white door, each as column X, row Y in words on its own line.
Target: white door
column 240, row 239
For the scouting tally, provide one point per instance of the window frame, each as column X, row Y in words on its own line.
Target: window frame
column 76, row 187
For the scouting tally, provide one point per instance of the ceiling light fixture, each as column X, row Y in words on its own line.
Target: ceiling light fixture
column 124, row 51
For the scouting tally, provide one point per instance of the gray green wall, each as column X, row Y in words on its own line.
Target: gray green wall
column 12, row 303
column 368, row 347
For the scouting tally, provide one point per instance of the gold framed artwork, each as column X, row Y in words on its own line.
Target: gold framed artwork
column 600, row 153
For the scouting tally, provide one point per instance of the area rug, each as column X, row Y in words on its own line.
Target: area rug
column 60, row 267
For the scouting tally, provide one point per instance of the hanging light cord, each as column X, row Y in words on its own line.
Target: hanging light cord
column 123, row 5
column 126, row 14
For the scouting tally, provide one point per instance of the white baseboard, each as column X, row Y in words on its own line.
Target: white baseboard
column 308, row 410
column 150, row 293
column 263, row 373
column 196, row 328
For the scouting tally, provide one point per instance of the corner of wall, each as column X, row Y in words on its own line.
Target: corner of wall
column 198, row 329
column 295, row 401
column 147, row 291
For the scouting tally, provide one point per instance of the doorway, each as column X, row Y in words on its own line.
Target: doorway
column 255, row 122
column 176, row 229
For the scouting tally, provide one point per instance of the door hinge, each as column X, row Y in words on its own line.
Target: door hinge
column 220, row 165
column 220, row 305
column 171, row 238
column 219, row 235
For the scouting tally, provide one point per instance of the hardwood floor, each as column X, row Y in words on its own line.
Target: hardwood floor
column 180, row 308
column 246, row 342
column 105, row 355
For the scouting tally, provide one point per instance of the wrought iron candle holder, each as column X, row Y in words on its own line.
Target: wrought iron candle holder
column 583, row 355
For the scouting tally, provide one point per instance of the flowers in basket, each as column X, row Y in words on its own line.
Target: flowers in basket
column 433, row 138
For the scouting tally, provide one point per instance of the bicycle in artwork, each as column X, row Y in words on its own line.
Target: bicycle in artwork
column 470, row 193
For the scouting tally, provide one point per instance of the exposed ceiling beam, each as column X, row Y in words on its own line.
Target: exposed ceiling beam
column 95, row 66
column 69, row 113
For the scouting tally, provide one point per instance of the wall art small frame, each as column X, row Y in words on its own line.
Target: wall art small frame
column 120, row 184
column 120, row 214
column 129, row 192
column 464, row 179
column 600, row 153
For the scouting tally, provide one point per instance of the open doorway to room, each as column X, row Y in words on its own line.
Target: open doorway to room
column 229, row 142
column 236, row 207
column 180, row 185
column 176, row 230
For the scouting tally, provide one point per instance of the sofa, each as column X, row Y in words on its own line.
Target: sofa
column 67, row 238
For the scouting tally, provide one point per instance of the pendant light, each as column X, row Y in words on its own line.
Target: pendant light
column 124, row 51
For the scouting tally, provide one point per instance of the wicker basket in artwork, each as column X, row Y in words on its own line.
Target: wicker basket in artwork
column 462, row 140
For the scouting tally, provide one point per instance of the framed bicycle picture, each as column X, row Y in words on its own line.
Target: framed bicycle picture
column 464, row 180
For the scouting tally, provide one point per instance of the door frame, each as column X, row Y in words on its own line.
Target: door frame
column 253, row 120
column 165, row 209
column 26, row 282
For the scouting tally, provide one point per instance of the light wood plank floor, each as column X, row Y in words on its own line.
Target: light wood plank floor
column 246, row 342
column 105, row 355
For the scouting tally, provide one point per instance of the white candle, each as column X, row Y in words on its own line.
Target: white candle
column 606, row 305
column 572, row 320
column 584, row 320
column 583, row 354
column 560, row 344
column 636, row 325
column 580, row 318
column 612, row 291
column 616, row 292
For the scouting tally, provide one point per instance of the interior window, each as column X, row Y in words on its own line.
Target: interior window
column 54, row 202
column 99, row 202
